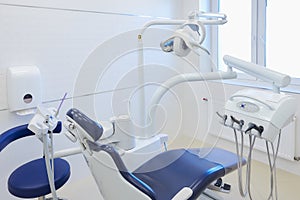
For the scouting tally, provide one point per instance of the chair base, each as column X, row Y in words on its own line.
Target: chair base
column 50, row 198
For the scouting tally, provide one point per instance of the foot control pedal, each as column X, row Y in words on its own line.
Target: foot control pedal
column 220, row 186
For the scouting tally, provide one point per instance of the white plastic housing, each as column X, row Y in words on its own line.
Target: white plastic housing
column 43, row 121
column 271, row 110
column 24, row 89
column 277, row 79
column 123, row 132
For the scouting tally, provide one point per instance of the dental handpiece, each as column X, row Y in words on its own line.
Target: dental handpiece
column 239, row 122
column 251, row 126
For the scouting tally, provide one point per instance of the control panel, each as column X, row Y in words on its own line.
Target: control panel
column 260, row 112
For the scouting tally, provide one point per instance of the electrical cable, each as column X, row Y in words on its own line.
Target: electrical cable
column 271, row 172
column 50, row 172
column 272, row 164
column 243, row 191
column 251, row 143
column 165, row 146
column 275, row 173
column 51, row 151
column 247, row 188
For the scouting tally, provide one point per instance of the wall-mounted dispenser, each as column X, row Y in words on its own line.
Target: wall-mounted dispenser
column 24, row 90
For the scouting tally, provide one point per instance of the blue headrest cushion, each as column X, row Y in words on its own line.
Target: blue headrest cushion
column 92, row 128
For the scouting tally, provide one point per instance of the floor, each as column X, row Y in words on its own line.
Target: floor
column 288, row 184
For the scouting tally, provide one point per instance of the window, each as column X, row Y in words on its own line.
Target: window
column 282, row 37
column 234, row 38
column 263, row 32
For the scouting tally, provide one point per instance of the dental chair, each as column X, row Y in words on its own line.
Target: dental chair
column 30, row 179
column 174, row 174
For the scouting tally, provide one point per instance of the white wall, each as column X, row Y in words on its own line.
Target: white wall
column 57, row 37
column 156, row 8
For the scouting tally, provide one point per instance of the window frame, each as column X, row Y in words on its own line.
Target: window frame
column 258, row 46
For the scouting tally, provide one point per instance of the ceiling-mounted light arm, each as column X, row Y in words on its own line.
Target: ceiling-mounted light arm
column 278, row 80
column 161, row 22
column 208, row 18
column 204, row 18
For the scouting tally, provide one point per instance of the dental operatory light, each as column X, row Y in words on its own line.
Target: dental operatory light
column 190, row 35
column 187, row 38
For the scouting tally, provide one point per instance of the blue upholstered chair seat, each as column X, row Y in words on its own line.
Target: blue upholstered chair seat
column 30, row 180
column 173, row 170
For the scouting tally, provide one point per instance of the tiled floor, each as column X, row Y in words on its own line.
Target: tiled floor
column 288, row 184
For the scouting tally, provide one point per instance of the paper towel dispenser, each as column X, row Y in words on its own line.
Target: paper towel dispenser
column 24, row 90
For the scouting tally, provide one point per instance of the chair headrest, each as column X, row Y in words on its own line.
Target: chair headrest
column 92, row 128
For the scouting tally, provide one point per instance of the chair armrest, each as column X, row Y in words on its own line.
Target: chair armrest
column 14, row 134
column 19, row 132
